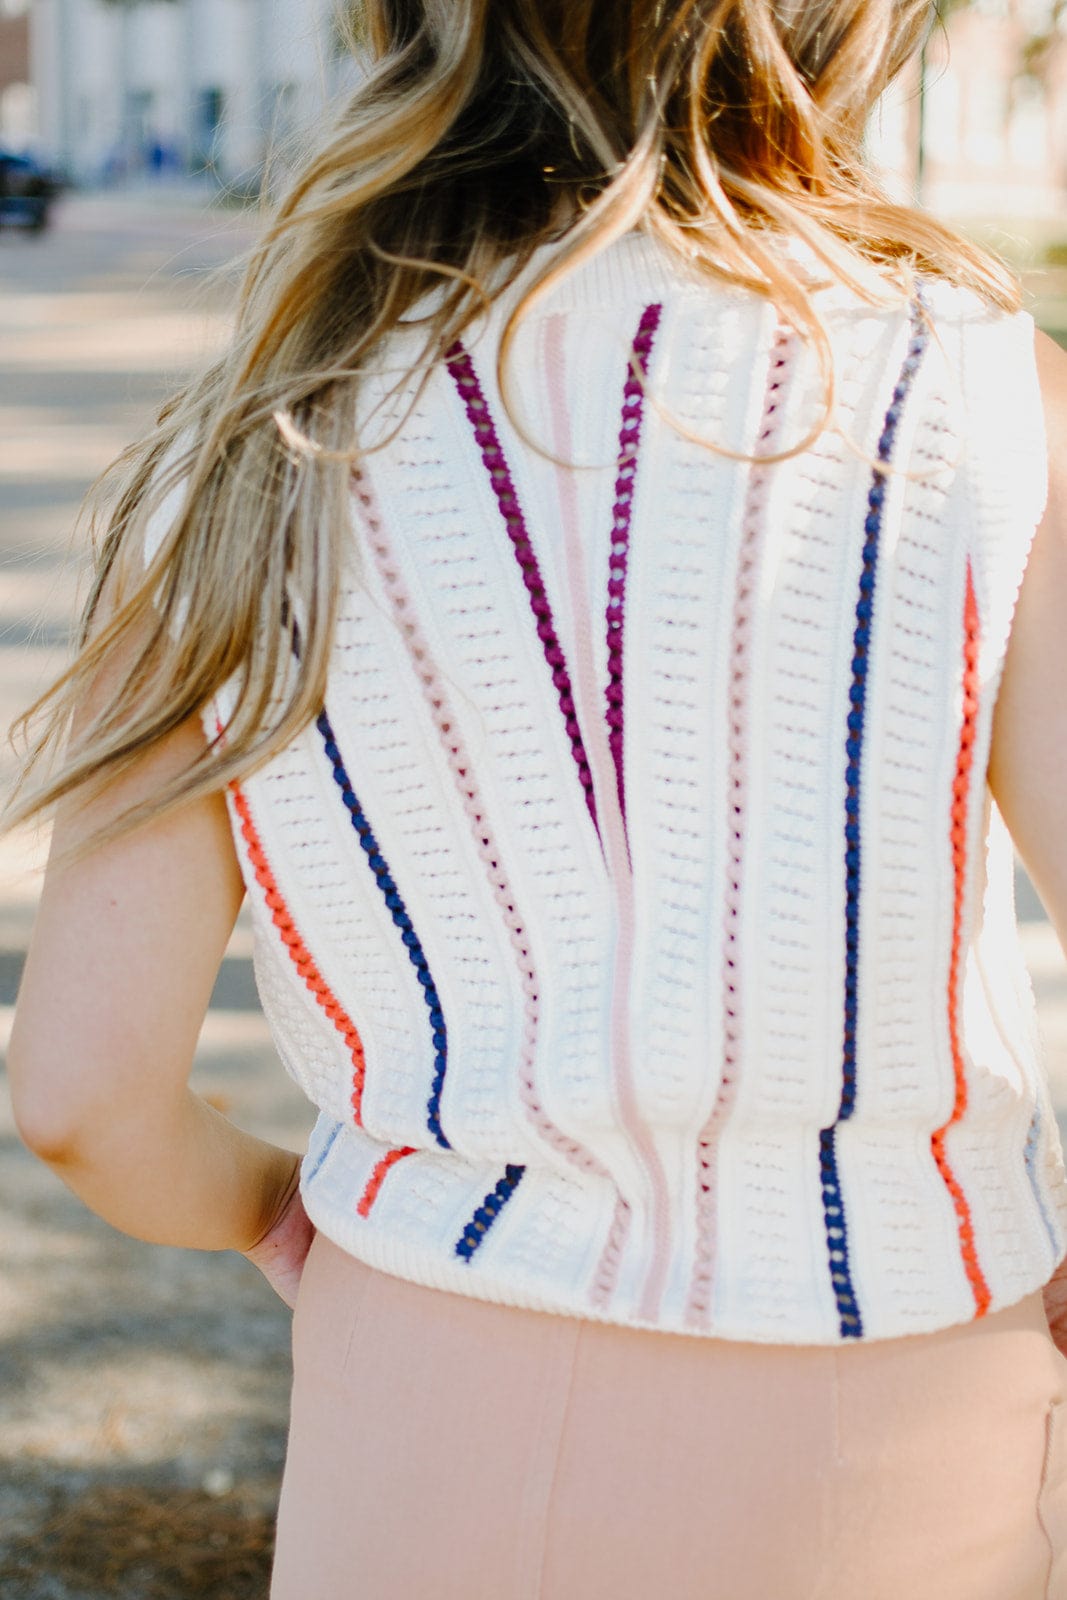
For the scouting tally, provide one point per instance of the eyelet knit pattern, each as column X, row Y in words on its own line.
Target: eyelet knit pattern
column 625, row 1051
column 462, row 769
column 749, row 561
column 392, row 897
column 299, row 953
column 836, row 1224
column 487, row 1213
column 466, row 380
column 633, row 410
column 960, row 795
column 377, row 1178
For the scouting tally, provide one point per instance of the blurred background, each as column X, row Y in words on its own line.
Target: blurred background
column 143, row 1392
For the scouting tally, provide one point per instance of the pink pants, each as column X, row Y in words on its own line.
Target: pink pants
column 449, row 1449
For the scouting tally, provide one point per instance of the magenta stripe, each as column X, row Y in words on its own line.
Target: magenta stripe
column 753, row 533
column 633, row 411
column 616, row 856
column 461, row 367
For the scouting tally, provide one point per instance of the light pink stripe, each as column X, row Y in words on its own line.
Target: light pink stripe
column 436, row 696
column 613, row 830
column 753, row 532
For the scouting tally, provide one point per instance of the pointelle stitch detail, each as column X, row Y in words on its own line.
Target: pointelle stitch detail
column 613, row 827
column 633, row 410
column 834, row 1215
column 436, row 696
column 960, row 795
column 480, row 417
column 377, row 1178
column 495, row 1201
column 299, row 953
column 753, row 536
column 402, row 921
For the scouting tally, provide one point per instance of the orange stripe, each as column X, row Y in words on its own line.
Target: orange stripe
column 960, row 792
column 301, row 956
column 377, row 1178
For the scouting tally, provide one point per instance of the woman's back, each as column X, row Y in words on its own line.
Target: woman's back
column 635, row 913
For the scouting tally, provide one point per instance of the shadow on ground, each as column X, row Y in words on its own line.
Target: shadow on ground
column 141, row 1541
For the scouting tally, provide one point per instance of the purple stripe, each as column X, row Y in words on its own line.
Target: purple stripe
column 461, row 367
column 633, row 411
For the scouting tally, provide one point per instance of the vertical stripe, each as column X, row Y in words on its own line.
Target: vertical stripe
column 613, row 836
column 633, row 408
column 1033, row 1145
column 435, row 694
column 474, row 1233
column 299, row 953
column 961, row 788
column 480, row 417
column 377, row 1178
column 310, row 1174
column 753, row 536
column 834, row 1211
column 398, row 911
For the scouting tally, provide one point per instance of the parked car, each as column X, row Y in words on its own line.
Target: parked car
column 27, row 191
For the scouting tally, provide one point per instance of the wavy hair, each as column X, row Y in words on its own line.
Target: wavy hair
column 480, row 130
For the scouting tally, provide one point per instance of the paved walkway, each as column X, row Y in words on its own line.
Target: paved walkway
column 128, row 1374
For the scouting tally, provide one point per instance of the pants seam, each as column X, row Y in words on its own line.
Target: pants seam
column 540, row 1488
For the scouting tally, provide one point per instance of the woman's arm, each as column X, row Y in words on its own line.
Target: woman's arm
column 1028, row 765
column 125, row 951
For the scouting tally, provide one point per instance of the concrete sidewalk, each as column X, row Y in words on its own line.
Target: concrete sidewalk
column 128, row 1374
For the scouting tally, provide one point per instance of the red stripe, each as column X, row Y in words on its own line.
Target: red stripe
column 377, row 1178
column 299, row 953
column 960, row 794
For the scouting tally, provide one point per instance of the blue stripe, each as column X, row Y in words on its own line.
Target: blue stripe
column 323, row 1153
column 851, row 1322
column 398, row 911
column 487, row 1213
column 1033, row 1139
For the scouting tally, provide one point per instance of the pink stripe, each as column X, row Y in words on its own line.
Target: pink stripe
column 753, row 534
column 465, row 378
column 613, row 831
column 435, row 694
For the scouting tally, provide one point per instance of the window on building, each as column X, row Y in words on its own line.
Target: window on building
column 210, row 111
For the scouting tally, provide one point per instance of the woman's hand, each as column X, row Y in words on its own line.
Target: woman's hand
column 281, row 1252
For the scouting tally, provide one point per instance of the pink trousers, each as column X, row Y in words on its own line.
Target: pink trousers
column 449, row 1449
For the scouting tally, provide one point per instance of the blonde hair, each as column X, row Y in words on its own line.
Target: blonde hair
column 715, row 125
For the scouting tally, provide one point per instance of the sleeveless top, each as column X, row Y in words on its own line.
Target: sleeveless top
column 636, row 913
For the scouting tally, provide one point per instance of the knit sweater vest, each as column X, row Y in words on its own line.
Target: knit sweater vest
column 636, row 913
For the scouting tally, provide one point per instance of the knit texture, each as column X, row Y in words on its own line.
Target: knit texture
column 636, row 913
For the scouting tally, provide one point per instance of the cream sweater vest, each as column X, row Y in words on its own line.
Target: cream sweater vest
column 636, row 914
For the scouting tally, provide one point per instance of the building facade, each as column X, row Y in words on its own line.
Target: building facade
column 982, row 131
column 16, row 94
column 125, row 87
column 132, row 87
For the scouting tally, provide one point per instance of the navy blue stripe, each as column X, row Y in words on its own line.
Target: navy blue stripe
column 833, row 1204
column 487, row 1213
column 416, row 954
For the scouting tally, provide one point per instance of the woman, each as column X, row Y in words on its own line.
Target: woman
column 574, row 613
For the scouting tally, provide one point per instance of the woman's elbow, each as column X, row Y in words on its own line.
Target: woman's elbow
column 52, row 1123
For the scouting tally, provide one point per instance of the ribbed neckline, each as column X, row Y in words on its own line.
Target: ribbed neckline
column 638, row 268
